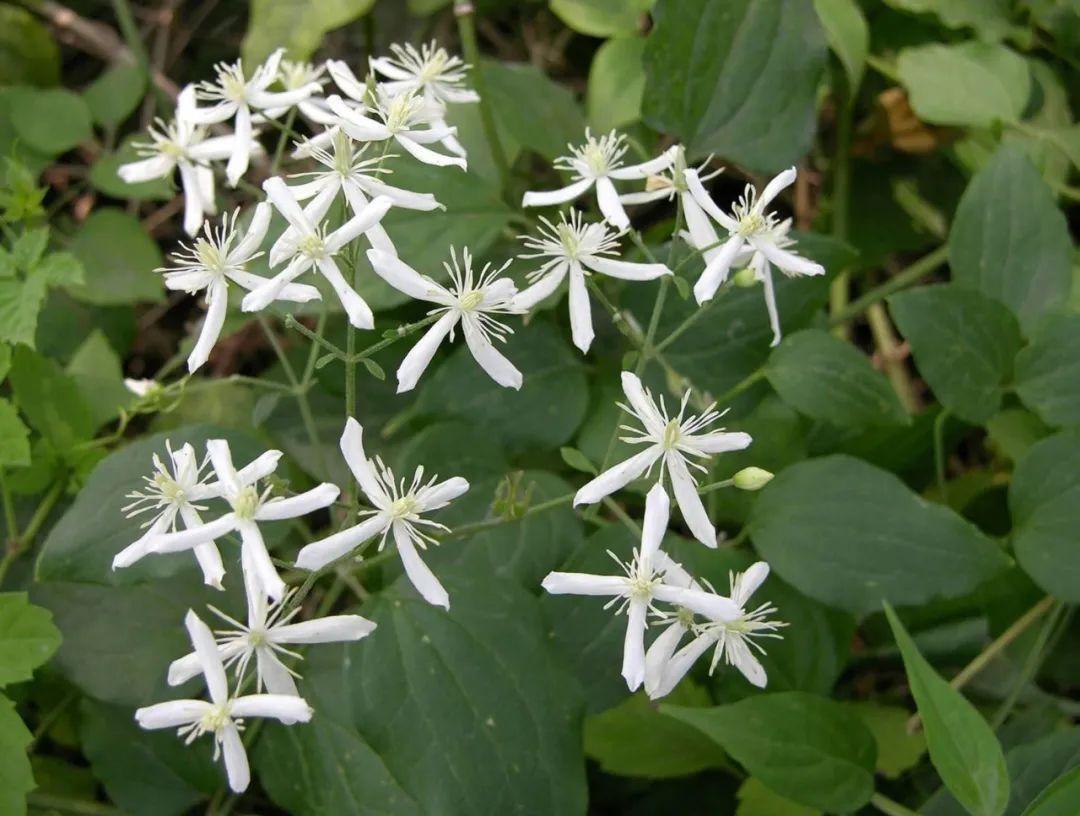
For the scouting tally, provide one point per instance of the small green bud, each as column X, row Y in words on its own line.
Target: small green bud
column 744, row 278
column 751, row 478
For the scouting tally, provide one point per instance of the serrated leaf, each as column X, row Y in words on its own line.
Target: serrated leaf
column 20, row 305
column 962, row 747
column 1048, row 370
column 14, row 437
column 27, row 637
column 16, row 775
column 50, row 400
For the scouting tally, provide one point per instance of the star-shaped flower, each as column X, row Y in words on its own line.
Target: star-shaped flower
column 399, row 509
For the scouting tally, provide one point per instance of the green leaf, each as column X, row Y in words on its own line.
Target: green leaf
column 435, row 712
column 550, row 121
column 14, row 437
column 962, row 746
column 1010, row 241
column 601, row 18
column 20, row 305
column 50, row 121
column 964, row 345
column 635, row 739
column 115, row 94
column 296, row 25
column 28, row 51
column 49, row 399
column 748, row 71
column 98, row 373
column 27, row 637
column 969, row 84
column 849, row 534
column 848, row 35
column 1061, row 798
column 146, row 773
column 59, row 269
column 829, row 379
column 29, row 247
column 1013, row 431
column 5, row 361
column 616, row 83
column 1044, row 499
column 809, row 749
column 577, row 460
column 991, row 19
column 120, row 260
column 543, row 414
column 1048, row 370
column 897, row 749
column 755, row 799
column 1034, row 766
column 16, row 775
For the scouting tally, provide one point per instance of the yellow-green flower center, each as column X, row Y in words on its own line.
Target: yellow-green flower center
column 312, row 245
column 247, row 502
column 470, row 300
column 752, row 224
column 403, row 507
column 215, row 719
column 169, row 488
column 672, row 434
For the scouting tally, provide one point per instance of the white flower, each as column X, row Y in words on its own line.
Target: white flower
column 577, row 248
column 470, row 299
column 732, row 637
column 182, row 144
column 236, row 97
column 307, row 243
column 407, row 118
column 672, row 441
column 597, row 162
column 266, row 635
column 142, row 388
column 218, row 256
column 431, row 72
column 249, row 506
column 224, row 715
column 348, row 172
column 398, row 509
column 749, row 226
column 173, row 492
column 642, row 583
column 302, row 76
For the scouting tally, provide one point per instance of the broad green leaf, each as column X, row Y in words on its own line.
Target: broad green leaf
column 748, row 71
column 16, row 776
column 5, row 361
column 755, row 799
column 1010, row 241
column 119, row 258
column 435, row 712
column 849, row 535
column 848, row 35
column 1035, row 765
column 14, row 437
column 829, row 379
column 968, row 84
column 1044, row 499
column 50, row 121
column 49, row 399
column 58, row 269
column 964, row 345
column 809, row 749
column 616, row 84
column 1013, row 431
column 115, row 94
column 1048, row 370
column 991, row 19
column 147, row 773
column 296, row 25
column 452, row 447
column 635, row 739
column 105, row 178
column 27, row 637
column 28, row 51
column 28, row 248
column 98, row 373
column 601, row 18
column 1061, row 798
column 550, row 121
column 543, row 414
column 962, row 747
column 897, row 749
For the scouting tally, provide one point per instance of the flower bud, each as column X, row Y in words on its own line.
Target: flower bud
column 751, row 478
column 744, row 278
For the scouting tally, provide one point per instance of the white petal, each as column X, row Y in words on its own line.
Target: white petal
column 608, row 200
column 256, row 231
column 259, row 468
column 318, row 554
column 791, row 263
column 543, row 288
column 217, row 299
column 618, row 476
column 680, row 663
column 260, row 298
column 360, row 223
column 581, row 328
column 221, row 459
column 429, row 156
column 241, row 155
column 286, row 709
column 645, row 196
column 193, row 200
column 633, row 664
column 641, row 404
column 493, row 361
column 700, row 228
column 307, row 502
column 716, row 270
column 709, row 604
column 561, row 196
column 212, row 115
column 406, row 199
column 272, row 674
column 419, row 356
column 743, row 659
column 647, row 168
column 286, row 204
column 704, row 200
column 673, row 572
column 417, row 571
column 352, row 450
column 582, row 583
column 206, row 650
column 346, row 80
column 146, row 170
column 693, row 511
column 171, row 714
column 183, row 669
column 770, row 302
column 720, row 441
column 139, row 548
column 207, row 554
column 236, row 761
column 255, row 557
column 779, row 183
column 186, row 539
column 625, row 269
column 750, row 580
column 657, row 512
column 356, row 307
column 658, row 655
column 331, row 629
column 441, row 494
column 403, row 277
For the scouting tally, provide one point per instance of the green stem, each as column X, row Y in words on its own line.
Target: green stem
column 709, row 488
column 621, row 515
column 1035, row 657
column 892, row 359
column 487, row 524
column 401, row 331
column 841, row 199
column 740, row 386
column 283, row 140
column 463, row 10
column 889, row 807
column 904, row 278
column 939, row 454
column 316, row 338
column 9, row 511
column 693, row 318
column 17, row 546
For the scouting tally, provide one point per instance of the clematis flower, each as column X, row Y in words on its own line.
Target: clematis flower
column 641, row 585
column 398, row 510
column 266, row 637
column 750, row 227
column 213, row 260
column 182, row 144
column 430, row 72
column 307, row 243
column 249, row 506
column 224, row 715
column 470, row 299
column 236, row 97
column 578, row 249
column 297, row 75
column 596, row 163
column 732, row 637
column 348, row 172
column 172, row 494
column 674, row 442
column 408, row 119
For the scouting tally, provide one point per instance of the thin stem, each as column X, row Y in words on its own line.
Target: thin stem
column 905, row 277
column 313, row 352
column 939, row 454
column 710, row 488
column 740, row 387
column 316, row 338
column 283, row 140
column 693, row 318
column 50, row 718
column 841, row 199
column 487, row 524
column 890, row 807
column 1031, row 665
column 621, row 515
column 463, row 10
column 892, row 361
column 401, row 331
column 654, row 322
column 20, row 544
